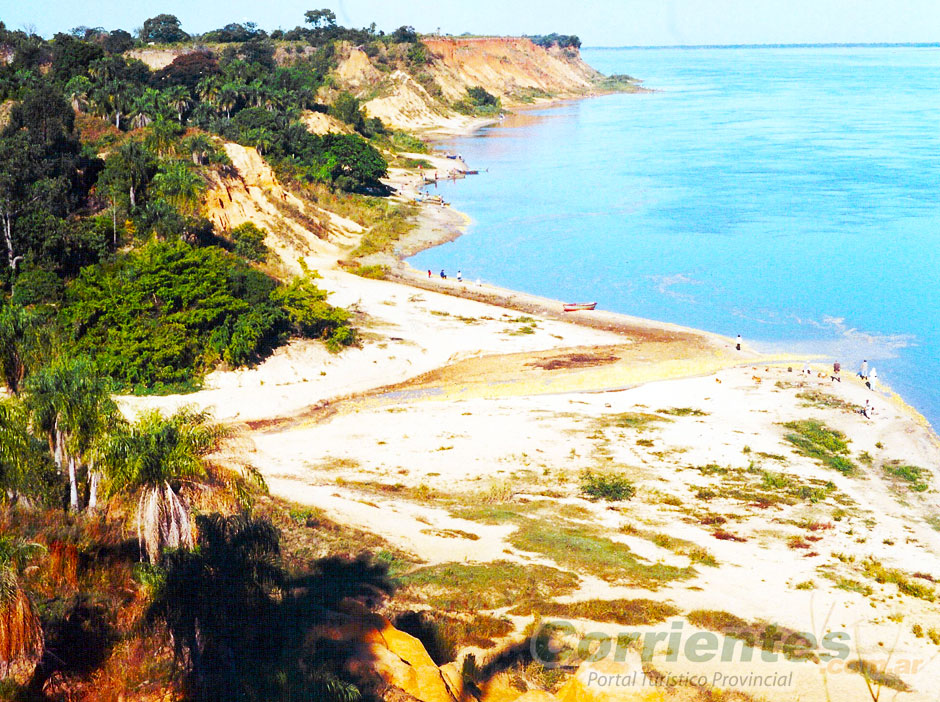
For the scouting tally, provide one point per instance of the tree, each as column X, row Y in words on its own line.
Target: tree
column 21, row 637
column 354, row 162
column 129, row 169
column 179, row 99
column 71, row 56
column 404, row 35
column 188, row 70
column 209, row 596
column 162, row 135
column 179, row 185
column 70, row 404
column 117, row 42
column 23, row 462
column 151, row 456
column 346, row 109
column 78, row 90
column 18, row 344
column 320, row 19
column 162, row 29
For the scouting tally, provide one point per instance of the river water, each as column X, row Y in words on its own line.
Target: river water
column 791, row 195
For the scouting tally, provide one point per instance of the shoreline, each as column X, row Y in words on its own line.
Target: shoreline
column 437, row 225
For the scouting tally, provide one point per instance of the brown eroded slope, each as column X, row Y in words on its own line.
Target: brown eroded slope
column 514, row 69
column 251, row 192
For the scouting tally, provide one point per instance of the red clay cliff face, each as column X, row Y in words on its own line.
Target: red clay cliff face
column 514, row 69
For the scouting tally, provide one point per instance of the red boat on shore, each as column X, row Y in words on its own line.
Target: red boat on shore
column 578, row 306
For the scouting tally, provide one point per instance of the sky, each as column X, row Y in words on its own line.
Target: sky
column 597, row 22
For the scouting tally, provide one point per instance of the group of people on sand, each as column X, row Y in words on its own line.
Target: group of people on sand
column 444, row 275
column 869, row 376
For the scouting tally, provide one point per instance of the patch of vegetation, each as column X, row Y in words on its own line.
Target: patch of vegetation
column 681, row 547
column 723, row 535
column 580, row 550
column 762, row 635
column 460, row 587
column 637, row 612
column 479, row 102
column 878, row 675
column 376, row 272
column 918, row 479
column 638, row 421
column 167, row 313
column 443, row 635
column 823, row 400
column 397, row 221
column 403, row 141
column 815, row 440
column 880, row 574
column 610, row 487
column 683, row 412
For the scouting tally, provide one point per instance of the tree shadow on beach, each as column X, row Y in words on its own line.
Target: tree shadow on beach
column 244, row 629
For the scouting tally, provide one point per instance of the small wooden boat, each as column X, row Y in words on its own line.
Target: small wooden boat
column 466, row 173
column 578, row 306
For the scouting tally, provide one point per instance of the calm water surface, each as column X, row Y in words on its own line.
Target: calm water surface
column 789, row 195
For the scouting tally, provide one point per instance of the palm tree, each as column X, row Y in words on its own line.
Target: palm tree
column 148, row 107
column 21, row 637
column 199, row 146
column 178, row 185
column 70, row 404
column 209, row 89
column 17, row 342
column 151, row 456
column 179, row 99
column 262, row 139
column 22, row 456
column 161, row 138
column 78, row 90
column 228, row 98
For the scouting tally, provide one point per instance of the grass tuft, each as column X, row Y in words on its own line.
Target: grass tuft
column 625, row 612
column 815, row 440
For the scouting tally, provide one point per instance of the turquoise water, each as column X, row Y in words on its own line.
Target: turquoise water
column 789, row 195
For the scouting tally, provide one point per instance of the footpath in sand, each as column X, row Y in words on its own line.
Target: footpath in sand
column 465, row 428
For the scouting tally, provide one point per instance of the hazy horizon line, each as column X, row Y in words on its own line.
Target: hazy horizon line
column 796, row 45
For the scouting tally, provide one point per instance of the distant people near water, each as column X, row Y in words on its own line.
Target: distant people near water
column 863, row 371
column 443, row 277
column 806, row 370
column 738, row 344
column 429, row 272
column 872, row 378
column 836, row 370
column 459, row 277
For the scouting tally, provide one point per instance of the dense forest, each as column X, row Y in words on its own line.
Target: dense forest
column 119, row 573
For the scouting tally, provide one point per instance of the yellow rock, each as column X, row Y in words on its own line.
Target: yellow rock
column 608, row 680
column 537, row 696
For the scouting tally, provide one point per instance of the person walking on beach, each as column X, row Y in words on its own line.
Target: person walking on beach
column 863, row 372
column 738, row 345
column 836, row 369
column 459, row 277
column 443, row 277
column 872, row 378
column 429, row 272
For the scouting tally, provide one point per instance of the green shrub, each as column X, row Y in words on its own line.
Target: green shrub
column 249, row 242
column 607, row 487
column 163, row 315
column 917, row 478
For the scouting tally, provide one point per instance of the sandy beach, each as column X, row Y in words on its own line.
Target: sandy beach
column 464, row 396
